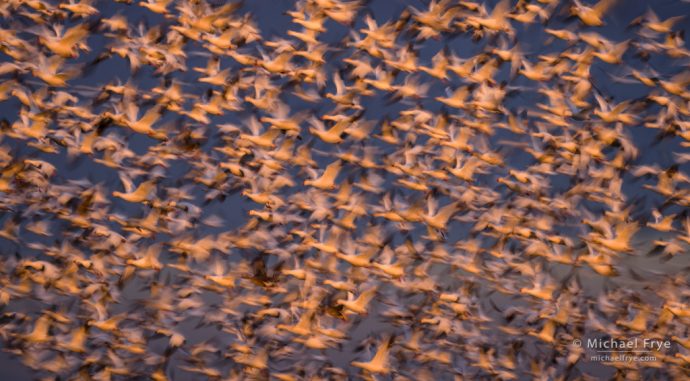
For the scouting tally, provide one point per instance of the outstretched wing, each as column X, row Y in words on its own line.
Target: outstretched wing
column 75, row 35
column 332, row 171
column 603, row 6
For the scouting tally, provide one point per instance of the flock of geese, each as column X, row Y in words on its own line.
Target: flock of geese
column 458, row 192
